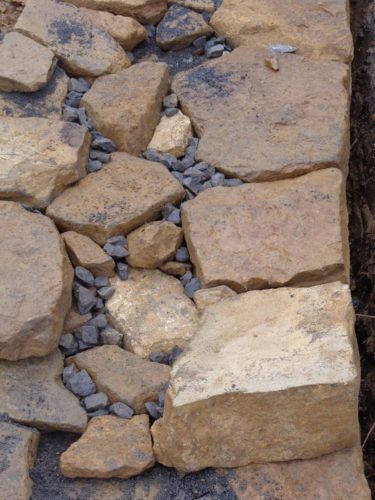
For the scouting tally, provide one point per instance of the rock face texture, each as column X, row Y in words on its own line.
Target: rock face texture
column 319, row 31
column 270, row 234
column 35, row 175
column 198, row 5
column 152, row 311
column 84, row 49
column 126, row 193
column 126, row 107
column 271, row 364
column 172, row 135
column 208, row 296
column 259, row 124
column 36, row 280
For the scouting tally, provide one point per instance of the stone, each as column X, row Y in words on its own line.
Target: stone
column 85, row 300
column 170, row 101
column 85, row 252
column 193, row 286
column 182, row 255
column 172, row 135
column 25, row 65
column 32, row 393
column 36, row 175
column 74, row 320
column 36, row 280
column 68, row 373
column 177, row 269
column 122, row 270
column 103, row 143
column 121, row 410
column 68, row 344
column 110, row 336
column 100, row 321
column 99, row 452
column 79, row 85
column 319, row 31
column 155, row 411
column 84, row 276
column 153, row 244
column 125, row 194
column 84, row 49
column 106, row 292
column 96, row 401
column 81, row 384
column 18, row 449
column 126, row 107
column 198, row 5
column 116, row 251
column 152, row 311
column 207, row 296
column 259, row 124
column 180, row 27
column 214, row 51
column 270, row 234
column 123, row 376
column 290, row 349
column 88, row 334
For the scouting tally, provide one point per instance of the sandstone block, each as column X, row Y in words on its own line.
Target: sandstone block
column 207, row 296
column 198, row 5
column 172, row 135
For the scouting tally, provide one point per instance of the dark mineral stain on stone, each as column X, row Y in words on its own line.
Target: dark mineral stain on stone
column 209, row 82
column 7, row 445
column 178, row 21
column 68, row 29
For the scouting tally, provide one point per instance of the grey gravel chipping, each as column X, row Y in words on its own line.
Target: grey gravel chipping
column 121, row 410
column 110, row 336
column 81, row 384
column 84, row 276
column 117, row 251
column 96, row 401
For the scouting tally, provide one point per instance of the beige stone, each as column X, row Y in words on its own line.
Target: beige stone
column 84, row 49
column 36, row 281
column 208, row 296
column 126, row 107
column 125, row 194
column 39, row 158
column 318, row 30
column 259, row 124
column 25, row 66
column 274, row 372
column 175, row 268
column 18, row 447
column 198, row 5
column 152, row 311
column 153, row 244
column 32, row 393
column 122, row 375
column 110, row 447
column 74, row 320
column 270, row 234
column 172, row 135
column 86, row 253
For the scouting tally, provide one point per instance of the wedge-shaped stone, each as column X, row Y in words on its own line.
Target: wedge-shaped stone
column 84, row 49
column 126, row 107
column 36, row 280
column 127, row 192
column 318, row 30
column 172, row 135
column 152, row 311
column 39, row 158
column 260, row 124
column 270, row 234
column 32, row 393
column 274, row 372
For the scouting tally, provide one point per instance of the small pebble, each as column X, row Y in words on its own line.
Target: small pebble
column 283, row 49
column 232, row 182
column 94, row 166
column 182, row 255
column 188, row 276
column 73, row 99
column 82, row 346
column 88, row 334
column 122, row 270
column 81, row 384
column 217, row 179
column 161, row 395
column 99, row 306
column 159, row 357
column 118, row 240
column 192, row 287
column 70, row 114
column 175, row 217
column 68, row 344
column 167, row 210
column 110, row 336
column 68, row 372
column 215, row 51
column 199, row 43
column 103, row 143
column 82, row 118
column 106, row 292
column 78, row 85
column 84, row 276
column 101, row 281
column 155, row 411
column 99, row 321
column 96, row 401
column 97, row 413
column 121, row 410
column 117, row 251
column 95, row 154
column 86, row 300
column 170, row 112
column 175, row 353
column 170, row 101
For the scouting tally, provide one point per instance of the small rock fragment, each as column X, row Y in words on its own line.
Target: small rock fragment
column 110, row 336
column 121, row 410
column 96, row 401
column 81, row 384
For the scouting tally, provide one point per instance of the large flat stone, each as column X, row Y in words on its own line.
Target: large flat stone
column 276, row 375
column 36, row 280
column 127, row 192
column 39, row 158
column 269, row 234
column 259, row 124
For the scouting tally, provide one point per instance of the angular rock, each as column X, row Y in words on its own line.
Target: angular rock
column 175, row 268
column 125, row 194
column 84, row 49
column 275, row 372
column 259, row 124
column 208, row 296
column 172, row 135
column 32, row 393
column 152, row 311
column 74, row 320
column 180, row 27
column 126, row 107
column 123, row 376
column 35, row 175
column 319, row 31
column 270, row 234
column 198, row 5
column 36, row 280
column 110, row 447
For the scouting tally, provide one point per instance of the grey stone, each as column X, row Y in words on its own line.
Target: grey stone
column 191, row 149
column 99, row 306
column 82, row 118
column 217, row 179
column 68, row 344
column 97, row 413
column 155, row 411
column 73, row 99
column 116, row 251
column 88, row 334
column 178, row 176
column 78, row 85
column 215, row 51
column 188, row 276
column 192, row 183
column 192, row 287
column 283, row 49
column 232, row 182
column 182, row 255
column 99, row 321
column 101, row 281
column 161, row 395
column 167, row 210
column 86, row 300
column 175, row 353
column 110, row 336
column 68, row 373
column 170, row 101
column 199, row 43
column 122, row 270
column 84, row 276
column 81, row 384
column 175, row 217
column 118, row 240
column 170, row 112
column 188, row 161
column 170, row 161
column 82, row 346
column 94, row 166
column 106, row 292
column 96, row 154
column 159, row 357
column 96, row 401
column 70, row 114
column 204, row 186
column 103, row 144
column 121, row 410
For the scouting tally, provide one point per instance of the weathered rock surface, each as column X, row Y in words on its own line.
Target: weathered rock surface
column 172, row 135
column 110, row 447
column 74, row 320
column 18, row 448
column 208, row 296
column 125, row 194
column 32, row 393
column 25, row 65
column 126, row 107
column 260, row 124
column 275, row 372
column 39, row 158
column 122, row 375
column 175, row 268
column 270, row 234
column 318, row 31
column 36, row 280
column 152, row 311
column 198, row 5
column 83, row 49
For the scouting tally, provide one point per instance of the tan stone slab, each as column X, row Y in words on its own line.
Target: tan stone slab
column 39, row 158
column 259, row 124
column 198, row 5
column 270, row 234
column 172, row 135
column 208, row 296
column 125, row 194
column 175, row 268
column 318, row 30
column 36, row 281
column 83, row 49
